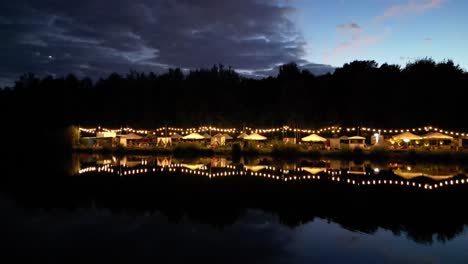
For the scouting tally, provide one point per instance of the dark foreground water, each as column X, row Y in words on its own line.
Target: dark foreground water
column 145, row 209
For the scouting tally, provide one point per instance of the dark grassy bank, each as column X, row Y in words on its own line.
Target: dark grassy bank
column 291, row 151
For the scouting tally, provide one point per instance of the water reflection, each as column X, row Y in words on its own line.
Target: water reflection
column 422, row 176
column 423, row 202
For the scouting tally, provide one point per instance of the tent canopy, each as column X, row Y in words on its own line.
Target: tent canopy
column 193, row 136
column 131, row 136
column 407, row 136
column 227, row 136
column 176, row 136
column 437, row 135
column 206, row 135
column 255, row 136
column 243, row 135
column 314, row 138
column 356, row 137
column 219, row 135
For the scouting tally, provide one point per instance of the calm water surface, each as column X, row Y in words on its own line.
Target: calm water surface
column 257, row 210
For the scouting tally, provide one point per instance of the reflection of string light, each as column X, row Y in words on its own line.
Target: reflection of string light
column 233, row 171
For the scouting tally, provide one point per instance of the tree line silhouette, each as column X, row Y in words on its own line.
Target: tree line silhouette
column 358, row 93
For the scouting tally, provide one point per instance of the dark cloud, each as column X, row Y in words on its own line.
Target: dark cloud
column 354, row 25
column 98, row 37
column 406, row 58
column 351, row 26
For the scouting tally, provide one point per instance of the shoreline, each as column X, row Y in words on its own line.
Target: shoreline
column 442, row 156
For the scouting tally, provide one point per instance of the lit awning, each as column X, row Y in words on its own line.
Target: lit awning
column 193, row 136
column 243, row 135
column 407, row 136
column 357, row 137
column 131, row 136
column 437, row 135
column 176, row 136
column 227, row 136
column 255, row 136
column 314, row 138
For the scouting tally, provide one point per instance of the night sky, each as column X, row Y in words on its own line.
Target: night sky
column 94, row 38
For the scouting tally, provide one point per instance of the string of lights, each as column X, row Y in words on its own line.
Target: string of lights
column 331, row 129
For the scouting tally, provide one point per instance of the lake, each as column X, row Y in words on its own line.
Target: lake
column 151, row 209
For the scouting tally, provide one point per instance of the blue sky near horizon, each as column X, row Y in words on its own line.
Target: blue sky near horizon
column 55, row 38
column 417, row 29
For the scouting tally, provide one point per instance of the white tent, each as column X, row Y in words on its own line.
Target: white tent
column 227, row 136
column 176, row 136
column 406, row 136
column 131, row 136
column 357, row 137
column 255, row 136
column 206, row 136
column 243, row 135
column 218, row 139
column 314, row 138
column 219, row 135
column 437, row 135
column 193, row 136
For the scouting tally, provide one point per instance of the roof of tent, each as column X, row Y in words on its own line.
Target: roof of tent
column 206, row 135
column 243, row 135
column 406, row 135
column 356, row 137
column 436, row 135
column 219, row 135
column 193, row 136
column 131, row 136
column 255, row 136
column 176, row 136
column 227, row 136
column 314, row 138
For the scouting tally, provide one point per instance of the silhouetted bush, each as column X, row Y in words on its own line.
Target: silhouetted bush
column 379, row 152
column 191, row 149
column 286, row 150
column 358, row 152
